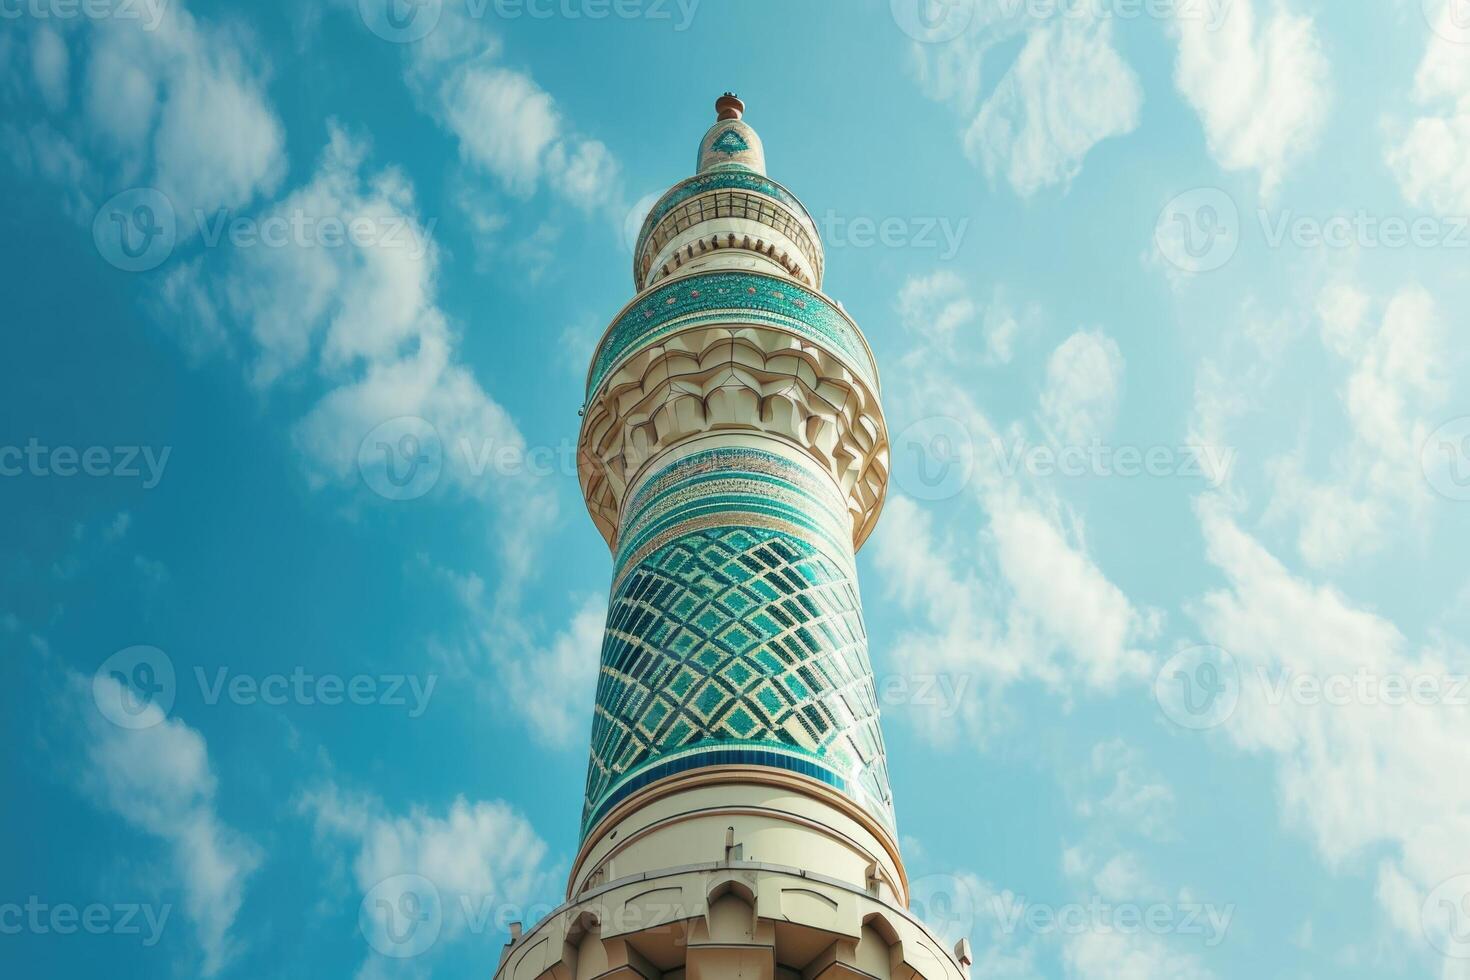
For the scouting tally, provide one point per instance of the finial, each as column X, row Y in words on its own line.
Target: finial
column 729, row 106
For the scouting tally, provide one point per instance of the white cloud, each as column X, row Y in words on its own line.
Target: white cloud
column 1366, row 779
column 504, row 121
column 507, row 125
column 940, row 310
column 586, row 174
column 1122, row 790
column 1106, row 951
column 484, row 858
column 1042, row 611
column 1396, row 376
column 1429, row 159
column 1258, row 83
column 50, row 65
column 1068, row 91
column 547, row 687
column 159, row 780
column 1084, row 380
column 173, row 102
column 362, row 312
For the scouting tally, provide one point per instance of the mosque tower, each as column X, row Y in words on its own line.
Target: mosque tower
column 737, row 820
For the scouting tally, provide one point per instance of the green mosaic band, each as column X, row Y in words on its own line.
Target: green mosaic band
column 732, row 298
column 735, row 634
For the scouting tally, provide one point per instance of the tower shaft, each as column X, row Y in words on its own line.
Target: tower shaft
column 737, row 819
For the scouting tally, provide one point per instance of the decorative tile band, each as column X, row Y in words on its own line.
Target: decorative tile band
column 734, row 486
column 735, row 626
column 725, row 176
column 735, row 297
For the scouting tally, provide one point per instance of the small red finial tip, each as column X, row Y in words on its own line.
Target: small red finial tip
column 729, row 106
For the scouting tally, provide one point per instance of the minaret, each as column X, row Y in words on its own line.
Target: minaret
column 738, row 820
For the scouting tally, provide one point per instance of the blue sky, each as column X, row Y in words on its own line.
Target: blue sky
column 1169, row 300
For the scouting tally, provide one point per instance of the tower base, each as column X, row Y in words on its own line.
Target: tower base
column 728, row 920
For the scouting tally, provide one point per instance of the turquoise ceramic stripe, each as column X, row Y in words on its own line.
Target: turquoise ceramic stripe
column 732, row 297
column 735, row 626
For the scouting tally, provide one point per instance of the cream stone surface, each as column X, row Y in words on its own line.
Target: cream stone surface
column 738, row 822
column 751, row 377
column 723, row 920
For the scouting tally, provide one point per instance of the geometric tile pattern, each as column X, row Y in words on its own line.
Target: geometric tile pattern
column 730, row 142
column 742, row 632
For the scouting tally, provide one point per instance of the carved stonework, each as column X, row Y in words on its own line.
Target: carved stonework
column 707, row 380
column 728, row 920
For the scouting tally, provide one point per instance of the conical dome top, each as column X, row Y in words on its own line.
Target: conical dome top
column 730, row 144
